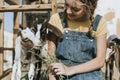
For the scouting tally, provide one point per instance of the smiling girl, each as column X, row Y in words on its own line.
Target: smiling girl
column 82, row 50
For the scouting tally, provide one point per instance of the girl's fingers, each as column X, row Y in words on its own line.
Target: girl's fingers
column 55, row 65
column 59, row 73
column 58, row 68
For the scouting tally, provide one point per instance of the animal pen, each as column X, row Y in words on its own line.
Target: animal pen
column 15, row 7
column 29, row 11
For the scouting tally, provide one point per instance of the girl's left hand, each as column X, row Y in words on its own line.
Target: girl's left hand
column 60, row 69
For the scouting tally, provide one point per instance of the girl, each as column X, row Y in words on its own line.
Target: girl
column 82, row 50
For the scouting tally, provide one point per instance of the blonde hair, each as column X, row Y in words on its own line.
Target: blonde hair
column 91, row 6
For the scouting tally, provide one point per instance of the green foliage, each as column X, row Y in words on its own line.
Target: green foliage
column 45, row 64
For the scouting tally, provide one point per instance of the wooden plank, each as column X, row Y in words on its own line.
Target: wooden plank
column 1, row 40
column 24, row 23
column 60, row 6
column 54, row 6
column 0, row 20
column 16, row 25
column 6, row 48
column 11, row 49
column 37, row 7
column 11, row 2
column 118, row 27
column 6, row 75
column 61, row 1
column 25, row 7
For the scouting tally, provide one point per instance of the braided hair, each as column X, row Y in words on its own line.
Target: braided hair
column 91, row 6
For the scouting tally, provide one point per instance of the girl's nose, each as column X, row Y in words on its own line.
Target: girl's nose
column 69, row 11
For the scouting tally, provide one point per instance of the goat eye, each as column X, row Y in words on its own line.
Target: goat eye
column 25, row 39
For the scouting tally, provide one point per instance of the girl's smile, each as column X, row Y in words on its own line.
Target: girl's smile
column 75, row 10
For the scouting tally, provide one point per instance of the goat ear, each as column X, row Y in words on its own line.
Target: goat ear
column 21, row 27
column 39, row 26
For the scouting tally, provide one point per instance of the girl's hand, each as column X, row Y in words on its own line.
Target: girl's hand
column 51, row 77
column 60, row 69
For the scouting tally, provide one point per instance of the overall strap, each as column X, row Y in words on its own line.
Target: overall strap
column 96, row 22
column 65, row 24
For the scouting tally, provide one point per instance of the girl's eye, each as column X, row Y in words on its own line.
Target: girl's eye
column 75, row 9
column 66, row 5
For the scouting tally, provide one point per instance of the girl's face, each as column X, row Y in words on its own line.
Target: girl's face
column 75, row 10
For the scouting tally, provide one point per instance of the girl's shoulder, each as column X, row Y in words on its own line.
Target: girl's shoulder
column 55, row 16
column 56, row 24
column 54, row 19
column 102, row 27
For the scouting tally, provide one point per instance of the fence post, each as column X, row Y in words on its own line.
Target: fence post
column 54, row 6
column 1, row 39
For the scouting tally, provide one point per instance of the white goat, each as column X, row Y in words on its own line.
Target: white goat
column 16, row 70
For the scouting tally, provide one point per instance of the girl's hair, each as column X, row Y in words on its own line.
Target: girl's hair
column 91, row 6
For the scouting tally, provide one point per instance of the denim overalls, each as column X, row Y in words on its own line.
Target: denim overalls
column 77, row 48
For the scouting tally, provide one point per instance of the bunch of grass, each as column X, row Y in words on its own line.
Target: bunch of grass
column 45, row 63
column 45, row 66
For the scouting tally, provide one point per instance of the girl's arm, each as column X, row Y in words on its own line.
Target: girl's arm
column 51, row 77
column 52, row 43
column 51, row 51
column 95, row 63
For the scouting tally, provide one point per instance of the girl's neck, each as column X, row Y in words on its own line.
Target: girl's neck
column 83, row 18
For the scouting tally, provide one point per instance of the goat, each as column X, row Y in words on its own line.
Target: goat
column 25, row 42
column 28, row 41
column 114, row 55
